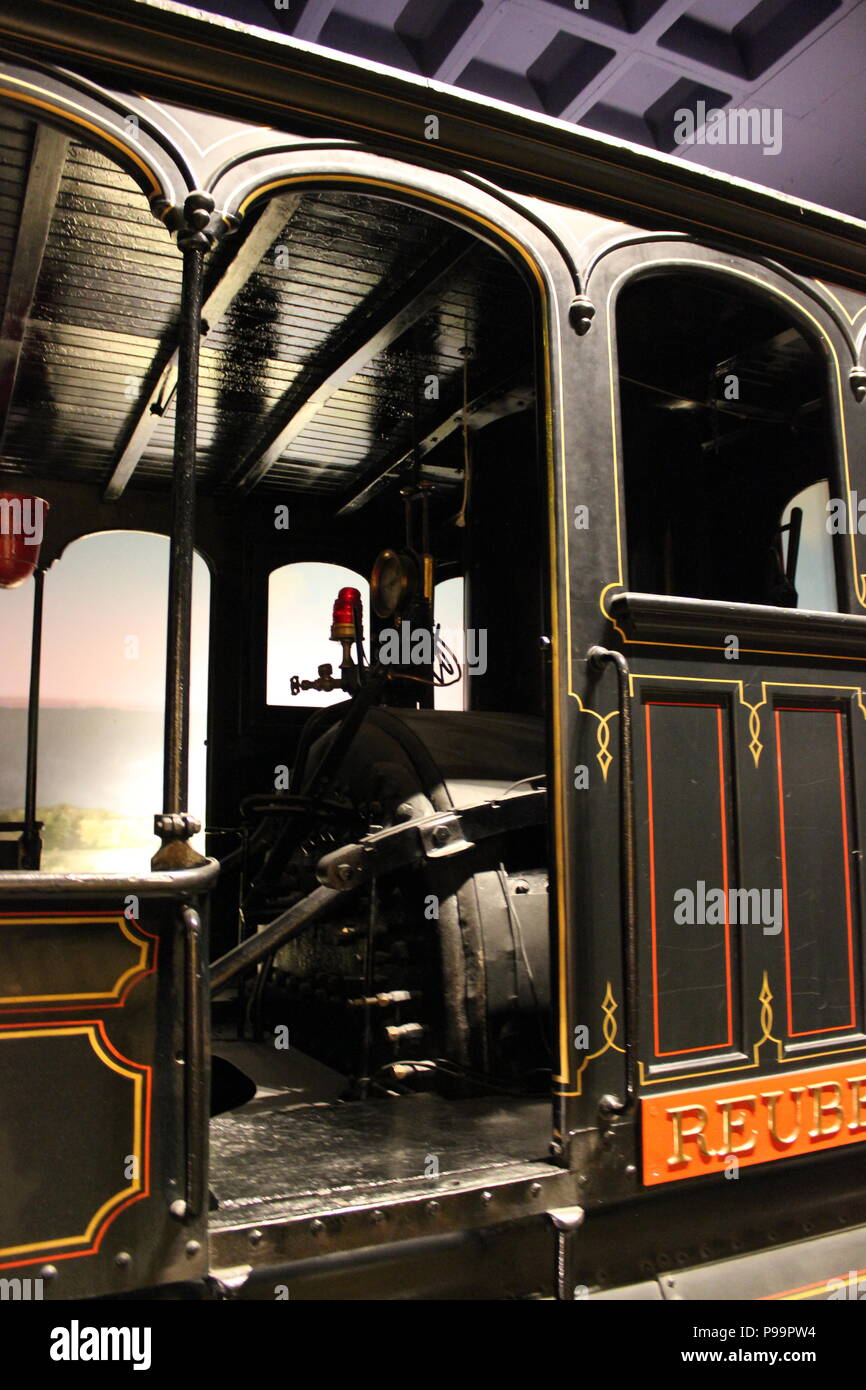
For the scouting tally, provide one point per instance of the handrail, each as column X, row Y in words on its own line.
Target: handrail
column 167, row 883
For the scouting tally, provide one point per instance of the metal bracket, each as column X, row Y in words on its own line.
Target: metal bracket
column 443, row 837
column 429, row 837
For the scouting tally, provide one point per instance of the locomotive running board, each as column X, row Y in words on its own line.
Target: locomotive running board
column 510, row 1193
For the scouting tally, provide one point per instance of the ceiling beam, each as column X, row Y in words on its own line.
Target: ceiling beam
column 383, row 323
column 492, row 404
column 313, row 19
column 40, row 198
column 237, row 272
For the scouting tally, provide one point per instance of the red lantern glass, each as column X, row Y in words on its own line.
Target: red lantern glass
column 343, row 620
column 21, row 522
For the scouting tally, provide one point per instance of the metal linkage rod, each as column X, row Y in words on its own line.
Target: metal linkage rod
column 282, row 929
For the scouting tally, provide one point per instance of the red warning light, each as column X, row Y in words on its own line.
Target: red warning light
column 347, row 603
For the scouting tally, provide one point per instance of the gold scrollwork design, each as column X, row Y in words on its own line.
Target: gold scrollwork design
column 609, row 1029
column 755, row 746
column 766, row 998
column 603, row 757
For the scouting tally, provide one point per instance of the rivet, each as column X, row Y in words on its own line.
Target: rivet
column 255, row 1236
column 431, row 1208
column 317, row 1227
column 122, row 1259
column 535, row 1189
column 192, row 1247
column 377, row 1216
column 48, row 1272
column 487, row 1196
column 178, row 1209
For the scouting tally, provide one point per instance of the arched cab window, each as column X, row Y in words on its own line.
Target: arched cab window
column 727, row 445
column 300, row 602
column 102, row 701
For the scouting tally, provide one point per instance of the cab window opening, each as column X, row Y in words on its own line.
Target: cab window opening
column 725, row 421
column 416, row 489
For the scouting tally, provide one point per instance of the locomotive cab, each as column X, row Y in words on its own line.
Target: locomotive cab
column 434, row 722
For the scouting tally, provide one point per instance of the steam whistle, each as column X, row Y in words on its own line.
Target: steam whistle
column 347, row 621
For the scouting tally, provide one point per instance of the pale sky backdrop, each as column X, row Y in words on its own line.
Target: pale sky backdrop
column 103, row 647
column 103, row 641
column 816, row 575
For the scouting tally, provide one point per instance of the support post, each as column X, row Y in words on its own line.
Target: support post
column 175, row 826
column 32, row 839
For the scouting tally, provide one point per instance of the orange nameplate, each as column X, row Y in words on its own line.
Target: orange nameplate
column 713, row 1129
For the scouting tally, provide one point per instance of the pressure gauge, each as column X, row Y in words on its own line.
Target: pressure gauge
column 393, row 583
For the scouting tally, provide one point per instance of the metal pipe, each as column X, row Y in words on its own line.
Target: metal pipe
column 32, row 840
column 596, row 657
column 369, row 975
column 177, row 662
column 283, row 928
column 195, row 1070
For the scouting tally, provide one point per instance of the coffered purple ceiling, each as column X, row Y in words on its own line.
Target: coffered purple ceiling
column 625, row 66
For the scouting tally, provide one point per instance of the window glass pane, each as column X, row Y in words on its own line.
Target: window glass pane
column 16, row 607
column 300, row 600
column 725, row 413
column 448, row 604
column 815, row 577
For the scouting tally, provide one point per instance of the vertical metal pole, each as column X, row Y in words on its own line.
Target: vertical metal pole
column 177, row 662
column 174, row 826
column 195, row 1076
column 32, row 839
